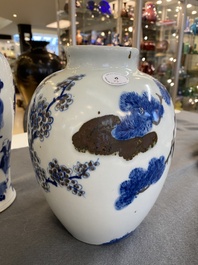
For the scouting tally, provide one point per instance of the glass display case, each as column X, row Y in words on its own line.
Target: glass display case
column 154, row 27
column 159, row 42
column 98, row 22
column 188, row 78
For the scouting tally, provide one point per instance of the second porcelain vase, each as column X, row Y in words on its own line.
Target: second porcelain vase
column 7, row 192
column 32, row 66
column 101, row 137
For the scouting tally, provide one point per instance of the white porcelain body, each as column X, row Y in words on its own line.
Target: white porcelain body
column 7, row 192
column 109, row 204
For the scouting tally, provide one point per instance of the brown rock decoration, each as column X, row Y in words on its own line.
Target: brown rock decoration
column 95, row 137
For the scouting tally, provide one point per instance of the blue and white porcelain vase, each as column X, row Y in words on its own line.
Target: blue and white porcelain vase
column 7, row 192
column 101, row 137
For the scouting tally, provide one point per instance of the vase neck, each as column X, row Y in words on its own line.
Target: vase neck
column 38, row 44
column 102, row 57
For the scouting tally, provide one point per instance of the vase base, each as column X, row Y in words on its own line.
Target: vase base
column 10, row 197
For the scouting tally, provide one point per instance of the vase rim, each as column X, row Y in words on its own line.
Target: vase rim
column 37, row 43
column 102, row 56
column 102, row 47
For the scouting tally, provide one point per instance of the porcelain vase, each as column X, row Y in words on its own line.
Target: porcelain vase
column 7, row 192
column 101, row 137
column 32, row 66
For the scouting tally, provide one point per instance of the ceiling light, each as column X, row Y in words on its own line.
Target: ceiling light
column 63, row 24
column 14, row 15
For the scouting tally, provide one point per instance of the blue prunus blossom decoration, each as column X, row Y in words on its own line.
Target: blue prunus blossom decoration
column 41, row 119
column 63, row 176
column 41, row 123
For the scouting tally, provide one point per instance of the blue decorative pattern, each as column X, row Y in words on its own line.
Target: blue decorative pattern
column 142, row 112
column 4, row 166
column 139, row 180
column 116, row 239
column 41, row 121
column 1, row 107
column 3, row 187
column 5, row 156
column 4, row 152
column 163, row 91
column 62, row 176
column 40, row 112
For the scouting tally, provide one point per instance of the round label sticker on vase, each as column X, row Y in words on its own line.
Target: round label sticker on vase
column 115, row 79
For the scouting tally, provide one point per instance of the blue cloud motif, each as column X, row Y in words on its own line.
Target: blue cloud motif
column 163, row 91
column 139, row 180
column 142, row 112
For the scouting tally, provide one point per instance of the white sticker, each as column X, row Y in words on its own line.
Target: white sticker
column 115, row 79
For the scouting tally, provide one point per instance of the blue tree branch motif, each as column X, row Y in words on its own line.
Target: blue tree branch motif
column 139, row 180
column 164, row 92
column 142, row 112
column 64, row 99
column 60, row 175
column 40, row 113
column 41, row 123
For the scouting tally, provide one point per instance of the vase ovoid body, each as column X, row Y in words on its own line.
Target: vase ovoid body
column 101, row 136
column 7, row 192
